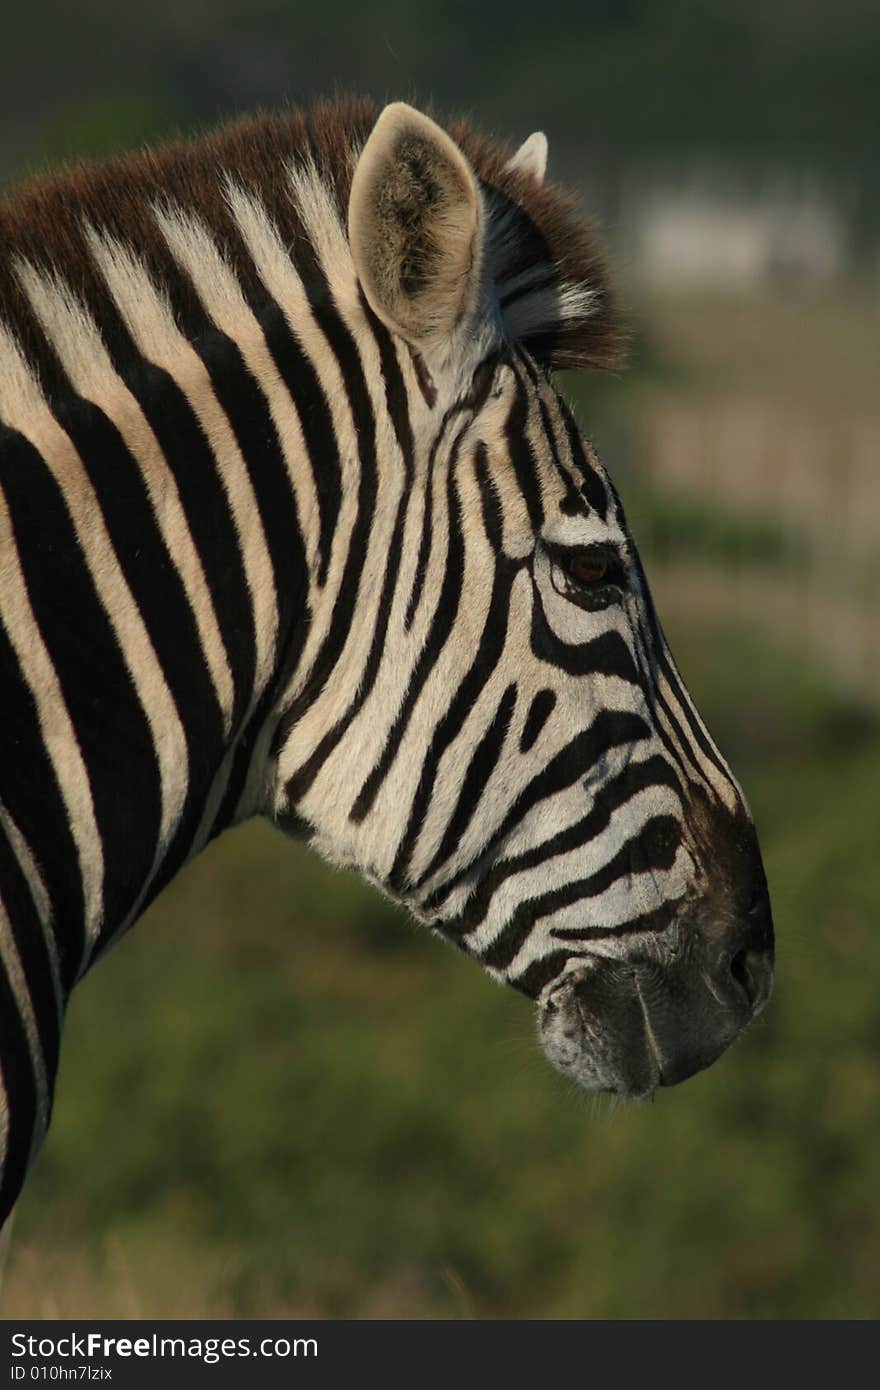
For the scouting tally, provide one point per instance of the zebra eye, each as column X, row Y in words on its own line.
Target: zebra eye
column 588, row 567
column 592, row 576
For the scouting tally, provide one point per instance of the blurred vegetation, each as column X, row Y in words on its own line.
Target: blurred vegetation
column 279, row 1096
column 671, row 523
column 766, row 76
column 778, row 83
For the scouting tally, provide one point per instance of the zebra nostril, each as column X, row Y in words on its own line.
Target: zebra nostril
column 753, row 973
column 739, row 969
column 758, row 923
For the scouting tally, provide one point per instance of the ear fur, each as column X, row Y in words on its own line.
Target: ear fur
column 415, row 225
column 531, row 158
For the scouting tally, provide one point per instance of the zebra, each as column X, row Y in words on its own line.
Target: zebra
column 295, row 523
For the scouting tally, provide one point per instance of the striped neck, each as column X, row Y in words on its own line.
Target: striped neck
column 158, row 603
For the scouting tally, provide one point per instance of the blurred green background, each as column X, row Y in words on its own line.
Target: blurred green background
column 279, row 1097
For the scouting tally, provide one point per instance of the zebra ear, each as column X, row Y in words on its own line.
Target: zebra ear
column 415, row 224
column 531, row 158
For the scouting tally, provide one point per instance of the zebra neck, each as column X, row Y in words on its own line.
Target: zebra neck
column 147, row 623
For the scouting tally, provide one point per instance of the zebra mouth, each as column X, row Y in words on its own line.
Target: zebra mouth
column 629, row 1028
column 594, row 1027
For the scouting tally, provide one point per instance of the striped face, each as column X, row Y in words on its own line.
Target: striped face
column 527, row 772
column 521, row 764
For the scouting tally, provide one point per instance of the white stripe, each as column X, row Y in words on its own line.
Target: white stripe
column 198, row 255
column 370, row 844
column 724, row 785
column 22, row 407
column 114, row 595
column 626, row 899
column 559, row 870
column 85, row 359
column 150, row 321
column 12, row 967
column 283, row 283
column 34, row 879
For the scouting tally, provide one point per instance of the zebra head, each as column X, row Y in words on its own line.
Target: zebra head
column 499, row 738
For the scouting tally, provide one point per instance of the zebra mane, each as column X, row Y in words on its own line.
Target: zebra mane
column 546, row 266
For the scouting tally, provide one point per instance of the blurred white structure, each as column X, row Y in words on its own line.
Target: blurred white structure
column 705, row 233
column 817, row 483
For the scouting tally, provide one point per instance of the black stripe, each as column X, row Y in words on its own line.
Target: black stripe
column 241, row 763
column 415, row 597
column 698, row 733
column 482, row 381
column 605, row 655
column 441, row 626
column 634, row 778
column 485, row 659
column 489, row 649
column 243, row 754
column 19, row 1083
column 144, row 560
column 479, row 770
column 297, row 371
column 111, row 726
column 206, row 507
column 18, row 1067
column 492, row 518
column 529, row 365
column 491, row 641
column 610, row 729
column 247, row 410
column 159, row 594
column 196, row 472
column 654, row 848
column 540, row 710
column 522, row 457
column 680, row 751
column 655, row 643
column 657, row 705
column 30, row 792
column 396, row 395
column 473, row 401
column 423, row 378
column 652, row 923
column 344, row 348
column 592, row 486
column 541, row 972
column 396, row 401
column 29, row 935
column 571, row 503
column 316, row 422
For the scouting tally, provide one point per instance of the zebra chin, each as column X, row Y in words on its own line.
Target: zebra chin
column 628, row 1028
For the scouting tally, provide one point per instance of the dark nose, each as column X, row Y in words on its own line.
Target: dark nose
column 752, row 974
column 745, row 964
column 734, row 984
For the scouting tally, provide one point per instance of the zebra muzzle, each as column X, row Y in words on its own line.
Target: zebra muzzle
column 628, row 1028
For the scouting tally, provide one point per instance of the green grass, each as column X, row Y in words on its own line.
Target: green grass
column 279, row 1096
column 670, row 525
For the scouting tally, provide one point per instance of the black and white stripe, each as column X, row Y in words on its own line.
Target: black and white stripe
column 264, row 551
